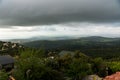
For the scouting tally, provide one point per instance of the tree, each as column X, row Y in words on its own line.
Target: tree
column 39, row 53
column 99, row 66
column 78, row 69
column 32, row 67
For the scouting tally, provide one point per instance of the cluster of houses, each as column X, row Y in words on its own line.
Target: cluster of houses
column 9, row 45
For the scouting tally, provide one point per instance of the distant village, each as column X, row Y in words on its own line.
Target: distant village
column 9, row 45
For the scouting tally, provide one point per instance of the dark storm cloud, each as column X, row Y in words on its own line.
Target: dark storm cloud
column 43, row 12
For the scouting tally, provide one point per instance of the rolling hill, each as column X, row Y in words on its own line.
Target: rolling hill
column 92, row 46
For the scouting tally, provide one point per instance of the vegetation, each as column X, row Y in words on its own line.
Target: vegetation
column 33, row 65
column 3, row 75
column 106, row 48
column 46, row 64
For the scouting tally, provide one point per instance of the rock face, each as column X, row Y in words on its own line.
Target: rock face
column 115, row 76
column 92, row 77
column 6, row 62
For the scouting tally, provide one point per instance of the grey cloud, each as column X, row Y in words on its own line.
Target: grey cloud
column 43, row 12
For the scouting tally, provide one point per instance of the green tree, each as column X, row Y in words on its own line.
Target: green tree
column 78, row 69
column 99, row 66
column 3, row 75
column 32, row 67
column 39, row 53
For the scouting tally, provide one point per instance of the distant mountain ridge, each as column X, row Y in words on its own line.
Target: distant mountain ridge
column 39, row 38
column 92, row 46
column 84, row 41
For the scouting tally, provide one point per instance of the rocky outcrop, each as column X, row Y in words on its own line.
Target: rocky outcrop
column 92, row 77
column 115, row 76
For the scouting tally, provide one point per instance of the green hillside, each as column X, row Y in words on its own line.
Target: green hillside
column 92, row 46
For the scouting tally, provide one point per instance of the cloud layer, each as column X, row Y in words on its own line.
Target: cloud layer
column 86, row 29
column 29, row 18
column 44, row 12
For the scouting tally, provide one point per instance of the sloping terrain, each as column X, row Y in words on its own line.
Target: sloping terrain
column 93, row 46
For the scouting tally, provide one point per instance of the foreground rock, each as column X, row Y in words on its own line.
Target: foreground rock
column 92, row 77
column 115, row 76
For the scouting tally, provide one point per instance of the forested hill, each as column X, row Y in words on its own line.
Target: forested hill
column 85, row 42
column 88, row 45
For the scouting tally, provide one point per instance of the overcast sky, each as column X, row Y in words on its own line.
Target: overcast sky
column 28, row 18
